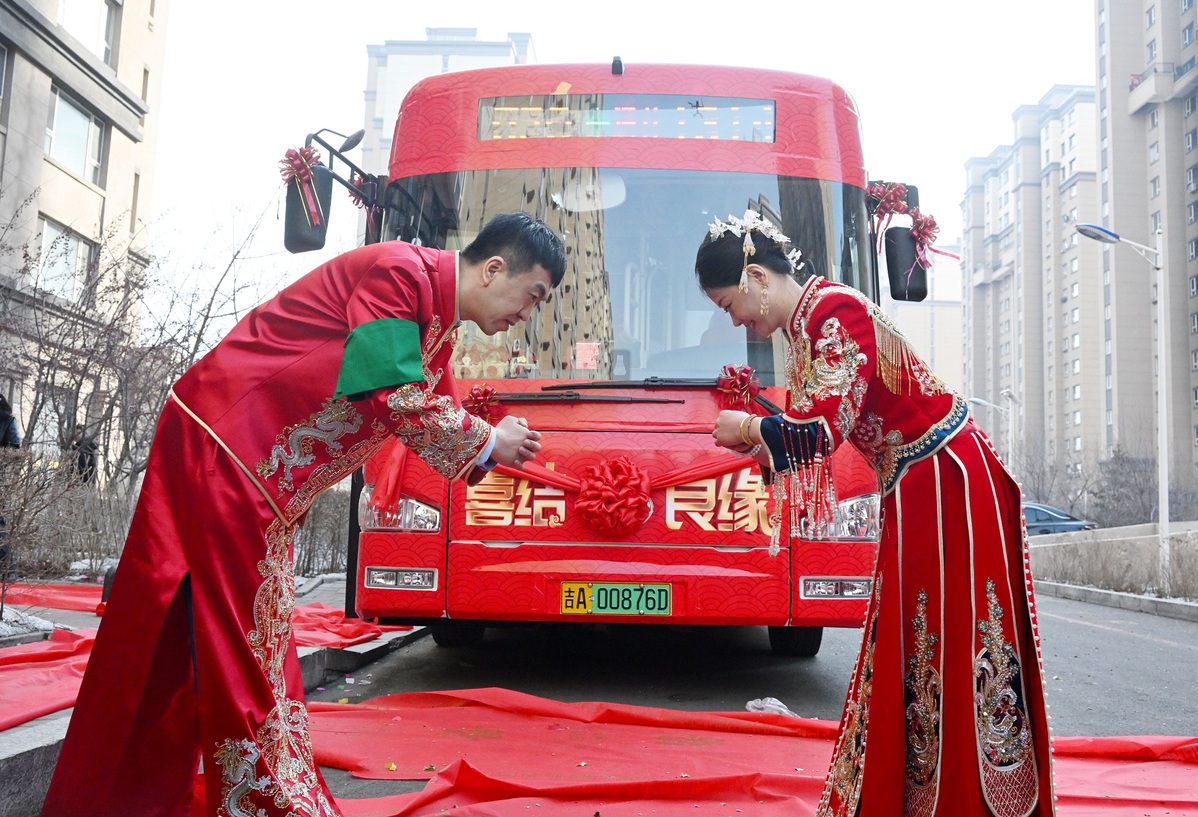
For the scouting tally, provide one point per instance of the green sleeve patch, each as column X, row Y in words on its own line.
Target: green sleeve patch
column 378, row 355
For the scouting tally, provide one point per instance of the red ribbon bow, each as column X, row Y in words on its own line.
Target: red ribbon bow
column 297, row 163
column 483, row 404
column 613, row 497
column 296, row 166
column 738, row 386
column 887, row 201
column 924, row 230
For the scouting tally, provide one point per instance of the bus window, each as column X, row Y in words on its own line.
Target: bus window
column 629, row 307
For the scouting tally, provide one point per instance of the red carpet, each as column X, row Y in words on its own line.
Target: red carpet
column 43, row 677
column 59, row 596
column 499, row 753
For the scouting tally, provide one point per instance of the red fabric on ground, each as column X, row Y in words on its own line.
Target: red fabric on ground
column 43, row 677
column 318, row 625
column 56, row 596
column 500, row 753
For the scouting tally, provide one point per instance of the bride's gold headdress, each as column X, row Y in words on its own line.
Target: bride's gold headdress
column 745, row 226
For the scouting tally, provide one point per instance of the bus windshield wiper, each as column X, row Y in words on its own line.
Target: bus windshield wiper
column 647, row 383
column 575, row 397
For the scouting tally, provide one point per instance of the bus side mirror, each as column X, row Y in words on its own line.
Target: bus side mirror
column 306, row 213
column 908, row 277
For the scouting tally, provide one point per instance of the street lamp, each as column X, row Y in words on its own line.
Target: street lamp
column 1009, row 415
column 1156, row 257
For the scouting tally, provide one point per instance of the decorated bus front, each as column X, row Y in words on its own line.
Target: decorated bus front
column 630, row 513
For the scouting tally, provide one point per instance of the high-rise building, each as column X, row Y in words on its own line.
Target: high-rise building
column 79, row 85
column 1147, row 60
column 1032, row 315
column 396, row 65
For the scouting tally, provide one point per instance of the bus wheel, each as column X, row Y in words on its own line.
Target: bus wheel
column 458, row 633
column 797, row 641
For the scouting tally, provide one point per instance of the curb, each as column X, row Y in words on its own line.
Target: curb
column 29, row 751
column 317, row 663
column 1166, row 608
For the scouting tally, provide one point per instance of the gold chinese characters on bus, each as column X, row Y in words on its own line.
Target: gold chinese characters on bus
column 729, row 502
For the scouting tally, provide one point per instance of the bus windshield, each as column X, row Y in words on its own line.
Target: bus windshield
column 629, row 306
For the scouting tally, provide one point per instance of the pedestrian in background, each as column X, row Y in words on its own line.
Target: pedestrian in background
column 10, row 435
column 85, row 450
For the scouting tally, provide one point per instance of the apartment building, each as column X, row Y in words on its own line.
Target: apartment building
column 396, row 65
column 1033, row 318
column 79, row 83
column 1147, row 60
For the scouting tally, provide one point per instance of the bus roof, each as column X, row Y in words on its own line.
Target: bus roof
column 817, row 132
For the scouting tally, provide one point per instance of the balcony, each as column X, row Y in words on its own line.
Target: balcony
column 1151, row 86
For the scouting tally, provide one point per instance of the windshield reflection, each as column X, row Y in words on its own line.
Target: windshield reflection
column 629, row 307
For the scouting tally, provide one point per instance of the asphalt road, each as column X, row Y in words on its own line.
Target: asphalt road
column 1109, row 671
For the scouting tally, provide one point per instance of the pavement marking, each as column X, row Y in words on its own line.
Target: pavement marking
column 1166, row 642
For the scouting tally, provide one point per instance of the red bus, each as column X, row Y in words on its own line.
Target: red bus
column 630, row 514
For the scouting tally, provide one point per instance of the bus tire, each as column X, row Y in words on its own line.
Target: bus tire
column 801, row 642
column 458, row 633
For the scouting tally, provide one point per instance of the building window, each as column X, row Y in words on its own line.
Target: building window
column 1154, row 187
column 75, row 138
column 1150, row 17
column 1193, row 285
column 1191, row 139
column 1194, row 323
column 1193, row 248
column 1194, row 363
column 1196, row 397
column 1153, row 119
column 65, row 261
column 1187, row 34
column 1077, row 392
column 94, row 23
column 1186, row 5
column 1077, row 316
column 1155, row 222
column 1154, row 152
column 1077, row 340
column 1150, row 51
column 1077, row 369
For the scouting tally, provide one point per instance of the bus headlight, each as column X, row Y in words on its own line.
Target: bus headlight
column 407, row 514
column 834, row 587
column 858, row 517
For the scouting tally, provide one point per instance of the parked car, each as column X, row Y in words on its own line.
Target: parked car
column 1047, row 519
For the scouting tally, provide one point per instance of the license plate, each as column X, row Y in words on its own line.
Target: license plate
column 616, row 598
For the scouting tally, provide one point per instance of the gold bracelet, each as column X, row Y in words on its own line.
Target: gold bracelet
column 744, row 438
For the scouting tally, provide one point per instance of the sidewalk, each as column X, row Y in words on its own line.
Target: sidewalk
column 29, row 751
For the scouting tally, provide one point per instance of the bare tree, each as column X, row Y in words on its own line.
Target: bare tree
column 100, row 362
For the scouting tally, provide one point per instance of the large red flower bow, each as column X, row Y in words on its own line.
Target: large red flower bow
column 613, row 497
